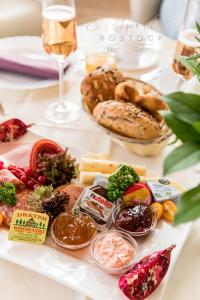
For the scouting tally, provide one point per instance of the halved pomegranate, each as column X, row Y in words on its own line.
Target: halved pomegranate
column 43, row 146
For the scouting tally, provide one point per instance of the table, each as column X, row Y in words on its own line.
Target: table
column 30, row 105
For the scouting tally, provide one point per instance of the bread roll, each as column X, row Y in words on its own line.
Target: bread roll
column 142, row 94
column 127, row 120
column 126, row 91
column 100, row 86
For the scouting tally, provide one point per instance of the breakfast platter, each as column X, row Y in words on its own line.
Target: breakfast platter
column 97, row 192
column 78, row 257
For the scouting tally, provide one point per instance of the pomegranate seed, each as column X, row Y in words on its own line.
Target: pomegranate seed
column 21, row 169
column 24, row 178
column 31, row 184
column 29, row 172
column 42, row 179
column 1, row 165
column 11, row 167
column 35, row 186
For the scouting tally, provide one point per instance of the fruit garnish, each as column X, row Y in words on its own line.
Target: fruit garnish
column 1, row 218
column 169, row 211
column 8, row 193
column 27, row 176
column 42, row 147
column 137, row 193
column 118, row 182
column 145, row 276
column 1, row 165
column 57, row 168
column 158, row 208
column 12, row 129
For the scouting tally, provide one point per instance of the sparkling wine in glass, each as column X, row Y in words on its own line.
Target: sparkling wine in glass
column 187, row 43
column 59, row 40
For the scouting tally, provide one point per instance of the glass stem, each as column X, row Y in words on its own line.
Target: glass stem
column 61, row 106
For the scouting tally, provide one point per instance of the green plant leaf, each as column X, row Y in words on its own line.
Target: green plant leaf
column 191, row 63
column 198, row 27
column 184, row 131
column 196, row 125
column 186, row 107
column 198, row 39
column 185, row 156
column 195, row 56
column 188, row 206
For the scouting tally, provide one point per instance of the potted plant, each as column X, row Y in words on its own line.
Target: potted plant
column 184, row 120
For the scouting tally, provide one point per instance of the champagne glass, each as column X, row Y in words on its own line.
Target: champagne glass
column 187, row 43
column 59, row 40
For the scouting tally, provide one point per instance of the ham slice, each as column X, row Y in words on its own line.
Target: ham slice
column 74, row 192
column 7, row 176
column 22, row 203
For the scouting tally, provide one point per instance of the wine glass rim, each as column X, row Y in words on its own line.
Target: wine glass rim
column 62, row 3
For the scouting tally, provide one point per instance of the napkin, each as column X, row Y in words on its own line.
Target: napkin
column 32, row 64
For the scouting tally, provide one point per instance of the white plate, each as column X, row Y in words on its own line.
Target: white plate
column 31, row 48
column 149, row 53
column 74, row 268
column 145, row 61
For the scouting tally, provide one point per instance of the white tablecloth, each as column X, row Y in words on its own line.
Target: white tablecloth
column 20, row 284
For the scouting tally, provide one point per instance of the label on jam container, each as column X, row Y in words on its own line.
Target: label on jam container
column 27, row 226
column 164, row 189
column 96, row 206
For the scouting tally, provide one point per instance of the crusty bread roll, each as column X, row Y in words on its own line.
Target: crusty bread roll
column 142, row 94
column 127, row 120
column 100, row 85
column 126, row 91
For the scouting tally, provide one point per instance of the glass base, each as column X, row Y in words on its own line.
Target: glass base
column 62, row 113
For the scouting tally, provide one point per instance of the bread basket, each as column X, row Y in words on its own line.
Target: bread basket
column 140, row 147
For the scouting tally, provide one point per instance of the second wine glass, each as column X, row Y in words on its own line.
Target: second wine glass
column 59, row 40
column 187, row 43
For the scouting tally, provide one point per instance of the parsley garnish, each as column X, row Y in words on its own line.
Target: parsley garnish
column 8, row 193
column 120, row 181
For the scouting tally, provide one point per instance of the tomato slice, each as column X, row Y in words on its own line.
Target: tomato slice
column 41, row 147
